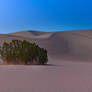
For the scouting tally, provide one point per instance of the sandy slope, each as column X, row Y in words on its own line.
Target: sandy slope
column 68, row 69
column 74, row 44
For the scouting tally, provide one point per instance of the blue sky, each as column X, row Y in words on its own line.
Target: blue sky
column 45, row 15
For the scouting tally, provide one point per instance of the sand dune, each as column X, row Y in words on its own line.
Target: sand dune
column 33, row 34
column 68, row 70
column 73, row 44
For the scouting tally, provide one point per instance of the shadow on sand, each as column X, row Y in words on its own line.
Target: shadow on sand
column 48, row 65
column 53, row 65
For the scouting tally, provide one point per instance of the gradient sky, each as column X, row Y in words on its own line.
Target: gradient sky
column 45, row 15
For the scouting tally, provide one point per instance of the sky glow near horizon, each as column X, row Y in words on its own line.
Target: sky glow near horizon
column 45, row 15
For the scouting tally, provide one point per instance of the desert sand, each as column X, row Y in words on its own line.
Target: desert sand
column 69, row 68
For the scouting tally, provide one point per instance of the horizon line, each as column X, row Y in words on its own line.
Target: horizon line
column 46, row 31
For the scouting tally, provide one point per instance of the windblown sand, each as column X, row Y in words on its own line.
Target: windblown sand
column 69, row 68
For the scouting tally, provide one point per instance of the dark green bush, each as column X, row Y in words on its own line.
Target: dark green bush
column 23, row 52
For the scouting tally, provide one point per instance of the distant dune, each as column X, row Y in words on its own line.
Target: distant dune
column 61, row 45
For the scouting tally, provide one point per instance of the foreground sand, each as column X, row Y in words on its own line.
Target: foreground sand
column 61, row 76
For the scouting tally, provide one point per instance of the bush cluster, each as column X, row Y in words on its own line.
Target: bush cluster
column 23, row 52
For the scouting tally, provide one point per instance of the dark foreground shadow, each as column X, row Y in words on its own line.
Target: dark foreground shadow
column 48, row 65
column 53, row 65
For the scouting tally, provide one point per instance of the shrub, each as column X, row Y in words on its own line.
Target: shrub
column 23, row 52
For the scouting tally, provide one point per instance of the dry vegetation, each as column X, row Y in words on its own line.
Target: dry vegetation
column 23, row 52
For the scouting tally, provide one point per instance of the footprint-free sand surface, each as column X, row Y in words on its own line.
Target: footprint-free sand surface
column 62, row 76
